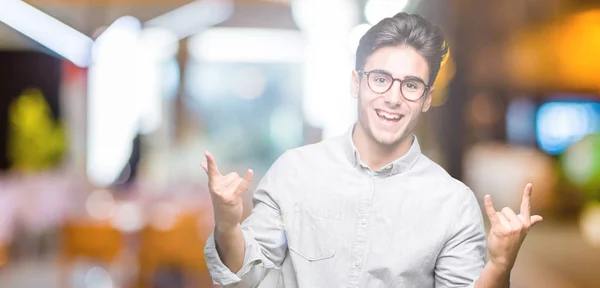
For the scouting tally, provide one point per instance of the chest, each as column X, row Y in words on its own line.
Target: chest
column 394, row 221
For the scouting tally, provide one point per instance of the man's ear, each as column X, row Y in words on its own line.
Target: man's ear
column 428, row 97
column 355, row 84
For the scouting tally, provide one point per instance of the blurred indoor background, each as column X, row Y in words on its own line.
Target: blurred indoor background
column 106, row 108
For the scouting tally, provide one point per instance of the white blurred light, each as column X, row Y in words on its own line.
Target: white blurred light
column 124, row 31
column 561, row 124
column 100, row 205
column 158, row 43
column 128, row 217
column 46, row 30
column 98, row 277
column 194, row 17
column 354, row 38
column 377, row 10
column 327, row 103
column 155, row 48
column 112, row 118
column 125, row 92
column 247, row 45
column 313, row 16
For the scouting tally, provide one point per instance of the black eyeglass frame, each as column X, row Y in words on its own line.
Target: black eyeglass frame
column 367, row 73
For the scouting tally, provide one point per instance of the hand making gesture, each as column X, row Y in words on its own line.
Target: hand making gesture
column 509, row 230
column 226, row 193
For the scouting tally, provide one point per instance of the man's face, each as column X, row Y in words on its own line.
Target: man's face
column 388, row 118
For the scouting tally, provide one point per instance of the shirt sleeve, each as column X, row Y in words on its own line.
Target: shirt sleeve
column 264, row 235
column 463, row 256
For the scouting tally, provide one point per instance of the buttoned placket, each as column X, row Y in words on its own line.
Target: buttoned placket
column 365, row 204
column 359, row 243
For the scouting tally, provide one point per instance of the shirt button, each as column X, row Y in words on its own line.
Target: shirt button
column 363, row 221
column 357, row 263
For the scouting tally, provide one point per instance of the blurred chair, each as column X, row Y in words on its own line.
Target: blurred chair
column 174, row 254
column 3, row 255
column 95, row 241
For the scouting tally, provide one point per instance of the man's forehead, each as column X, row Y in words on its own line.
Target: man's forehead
column 400, row 61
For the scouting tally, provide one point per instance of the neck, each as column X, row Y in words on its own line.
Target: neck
column 376, row 155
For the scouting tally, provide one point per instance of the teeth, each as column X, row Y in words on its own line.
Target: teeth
column 388, row 115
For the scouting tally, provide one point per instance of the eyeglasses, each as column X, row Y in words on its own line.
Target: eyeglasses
column 412, row 88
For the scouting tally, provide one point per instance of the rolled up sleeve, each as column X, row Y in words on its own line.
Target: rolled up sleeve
column 264, row 236
column 463, row 257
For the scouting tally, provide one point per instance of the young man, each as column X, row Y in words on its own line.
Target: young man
column 367, row 209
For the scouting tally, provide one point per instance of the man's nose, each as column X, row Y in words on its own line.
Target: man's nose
column 394, row 96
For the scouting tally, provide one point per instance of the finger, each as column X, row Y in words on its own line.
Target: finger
column 244, row 184
column 211, row 165
column 503, row 221
column 229, row 179
column 249, row 175
column 234, row 187
column 203, row 164
column 526, row 201
column 490, row 210
column 536, row 219
column 515, row 222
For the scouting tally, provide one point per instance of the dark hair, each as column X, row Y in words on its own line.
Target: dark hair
column 405, row 29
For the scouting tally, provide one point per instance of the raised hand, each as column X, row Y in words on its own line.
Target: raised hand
column 509, row 230
column 226, row 193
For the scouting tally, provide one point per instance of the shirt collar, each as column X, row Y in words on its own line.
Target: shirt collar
column 398, row 166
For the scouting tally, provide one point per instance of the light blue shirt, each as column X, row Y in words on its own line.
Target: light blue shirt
column 325, row 219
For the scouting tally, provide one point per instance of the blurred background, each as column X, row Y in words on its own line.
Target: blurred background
column 106, row 108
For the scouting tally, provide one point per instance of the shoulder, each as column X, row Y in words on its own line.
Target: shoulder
column 454, row 198
column 433, row 173
column 450, row 194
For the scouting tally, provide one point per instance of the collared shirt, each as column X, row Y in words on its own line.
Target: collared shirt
column 325, row 219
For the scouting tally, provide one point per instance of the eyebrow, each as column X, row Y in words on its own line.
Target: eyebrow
column 407, row 77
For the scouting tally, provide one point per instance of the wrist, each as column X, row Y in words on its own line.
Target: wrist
column 493, row 275
column 225, row 229
column 500, row 267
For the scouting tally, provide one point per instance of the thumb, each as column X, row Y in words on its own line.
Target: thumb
column 536, row 219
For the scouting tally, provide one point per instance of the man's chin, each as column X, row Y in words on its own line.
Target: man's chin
column 387, row 140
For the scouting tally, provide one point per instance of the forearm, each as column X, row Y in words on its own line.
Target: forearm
column 230, row 245
column 493, row 276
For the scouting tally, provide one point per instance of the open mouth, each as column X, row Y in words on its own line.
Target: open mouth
column 387, row 116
